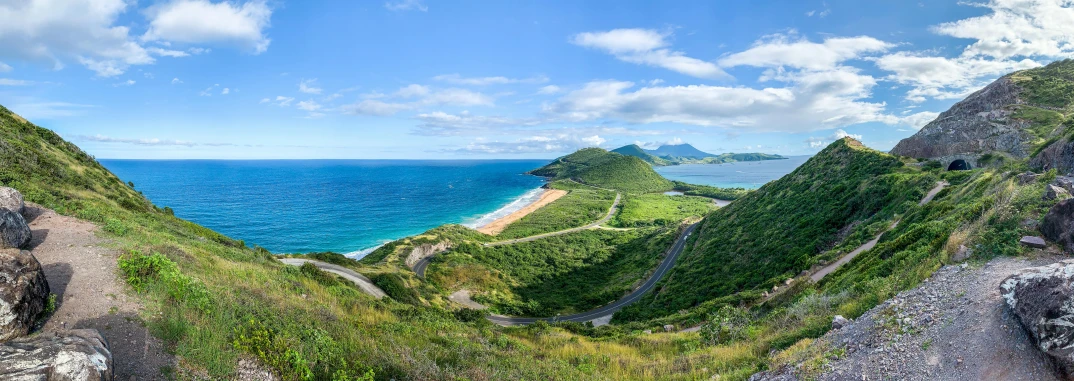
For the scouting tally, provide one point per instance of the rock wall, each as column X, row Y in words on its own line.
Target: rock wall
column 1059, row 155
column 978, row 124
column 426, row 250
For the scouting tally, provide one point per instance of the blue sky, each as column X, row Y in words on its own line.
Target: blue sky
column 492, row 79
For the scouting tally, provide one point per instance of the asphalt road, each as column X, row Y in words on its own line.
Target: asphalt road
column 665, row 266
column 360, row 280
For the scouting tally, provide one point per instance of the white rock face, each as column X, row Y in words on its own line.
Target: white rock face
column 11, row 199
column 75, row 355
column 1043, row 300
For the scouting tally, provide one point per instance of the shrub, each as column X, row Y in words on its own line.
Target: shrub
column 726, row 325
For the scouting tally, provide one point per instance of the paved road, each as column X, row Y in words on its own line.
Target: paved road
column 608, row 310
column 419, row 268
column 360, row 280
column 607, row 217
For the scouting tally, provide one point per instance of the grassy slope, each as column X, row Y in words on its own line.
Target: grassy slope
column 578, row 208
column 597, row 167
column 660, row 209
column 1047, row 92
column 638, row 152
column 779, row 230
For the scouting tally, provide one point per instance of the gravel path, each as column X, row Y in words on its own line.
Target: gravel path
column 462, row 297
column 954, row 326
column 83, row 274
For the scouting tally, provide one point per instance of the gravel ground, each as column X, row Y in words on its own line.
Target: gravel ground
column 954, row 326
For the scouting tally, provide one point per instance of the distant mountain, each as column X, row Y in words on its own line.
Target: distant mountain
column 675, row 154
column 638, row 152
column 684, row 150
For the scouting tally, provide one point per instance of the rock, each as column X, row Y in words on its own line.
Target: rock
column 1034, row 242
column 75, row 355
column 14, row 232
column 1053, row 192
column 1041, row 299
column 669, row 328
column 1064, row 182
column 1058, row 224
column 11, row 199
column 839, row 322
column 1027, row 177
column 426, row 250
column 23, row 292
column 647, row 332
column 962, row 254
column 788, row 281
column 784, row 373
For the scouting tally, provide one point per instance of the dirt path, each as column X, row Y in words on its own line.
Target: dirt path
column 954, row 326
column 462, row 297
column 83, row 274
column 496, row 227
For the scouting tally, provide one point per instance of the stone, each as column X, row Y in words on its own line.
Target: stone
column 962, row 254
column 1027, row 177
column 11, row 199
column 647, row 332
column 1034, row 242
column 14, row 231
column 23, row 292
column 669, row 328
column 1064, row 182
column 75, row 355
column 783, row 373
column 1042, row 300
column 1058, row 224
column 839, row 322
column 1053, row 192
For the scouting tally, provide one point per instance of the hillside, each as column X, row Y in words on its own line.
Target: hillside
column 636, row 151
column 779, row 230
column 1021, row 115
column 600, row 168
column 687, row 154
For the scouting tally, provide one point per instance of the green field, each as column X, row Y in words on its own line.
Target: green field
column 580, row 207
column 660, row 210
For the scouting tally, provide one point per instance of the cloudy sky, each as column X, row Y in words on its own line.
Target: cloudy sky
column 504, row 79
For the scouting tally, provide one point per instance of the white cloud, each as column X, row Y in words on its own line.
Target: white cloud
column 14, row 82
column 647, row 47
column 1017, row 28
column 306, row 86
column 406, row 5
column 374, row 107
column 129, row 82
column 534, row 144
column 483, row 81
column 4, row 68
column 825, row 141
column 80, row 30
column 308, row 105
column 415, row 96
column 265, row 100
column 550, row 89
column 167, row 52
column 811, row 101
column 225, row 91
column 283, row 101
column 208, row 92
column 945, row 78
column 918, row 120
column 176, row 81
column 413, row 90
column 201, row 21
column 787, row 50
column 656, row 82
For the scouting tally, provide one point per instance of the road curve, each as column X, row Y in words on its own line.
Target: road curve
column 360, row 280
column 607, row 217
column 608, row 310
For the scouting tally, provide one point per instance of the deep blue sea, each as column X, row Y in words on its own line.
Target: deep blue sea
column 743, row 174
column 346, row 206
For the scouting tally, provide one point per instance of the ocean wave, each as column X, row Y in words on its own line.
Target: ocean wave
column 514, row 206
column 359, row 254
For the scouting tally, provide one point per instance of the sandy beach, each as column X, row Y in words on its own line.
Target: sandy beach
column 497, row 226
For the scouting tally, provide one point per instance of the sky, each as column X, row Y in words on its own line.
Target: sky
column 428, row 79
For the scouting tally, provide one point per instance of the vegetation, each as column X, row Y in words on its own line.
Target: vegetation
column 729, row 194
column 660, row 210
column 600, row 168
column 676, row 155
column 638, row 152
column 580, row 207
column 1050, row 86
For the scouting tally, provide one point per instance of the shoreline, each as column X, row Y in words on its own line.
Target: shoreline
column 498, row 225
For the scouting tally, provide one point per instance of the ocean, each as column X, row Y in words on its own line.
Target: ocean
column 743, row 174
column 345, row 206
column 354, row 206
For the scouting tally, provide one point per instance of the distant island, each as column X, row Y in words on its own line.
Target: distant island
column 675, row 154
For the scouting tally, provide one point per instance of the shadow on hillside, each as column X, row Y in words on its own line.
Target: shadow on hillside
column 38, row 238
column 136, row 354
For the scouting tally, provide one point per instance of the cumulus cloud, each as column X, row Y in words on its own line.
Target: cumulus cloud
column 647, row 47
column 225, row 91
column 415, row 96
column 4, row 68
column 176, row 81
column 483, row 81
column 167, row 52
column 945, row 78
column 825, row 141
column 550, row 89
column 406, row 5
column 307, row 86
column 374, row 107
column 283, row 101
column 308, row 105
column 787, row 50
column 918, row 120
column 14, row 82
column 201, row 21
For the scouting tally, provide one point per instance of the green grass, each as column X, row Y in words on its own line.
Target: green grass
column 660, row 210
column 1049, row 86
column 597, row 167
column 729, row 194
column 580, row 207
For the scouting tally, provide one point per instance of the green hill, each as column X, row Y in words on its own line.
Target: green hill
column 600, row 168
column 638, row 152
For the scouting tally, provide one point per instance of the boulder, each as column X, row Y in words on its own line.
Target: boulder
column 669, row 327
column 1041, row 299
column 1034, row 242
column 1053, row 192
column 75, row 355
column 839, row 322
column 1058, row 224
column 1067, row 183
column 14, row 231
column 11, row 199
column 1027, row 177
column 23, row 292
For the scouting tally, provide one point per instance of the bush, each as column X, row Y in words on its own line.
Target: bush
column 726, row 325
column 469, row 315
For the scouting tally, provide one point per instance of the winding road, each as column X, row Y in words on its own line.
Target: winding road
column 360, row 280
column 608, row 310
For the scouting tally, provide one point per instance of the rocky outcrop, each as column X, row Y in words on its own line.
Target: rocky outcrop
column 1027, row 177
column 75, row 355
column 11, row 199
column 978, row 124
column 838, row 322
column 14, row 231
column 1034, row 242
column 1058, row 224
column 1043, row 300
column 426, row 250
column 23, row 292
column 1059, row 156
column 1054, row 192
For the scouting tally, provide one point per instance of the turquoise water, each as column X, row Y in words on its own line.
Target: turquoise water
column 346, row 206
column 743, row 174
